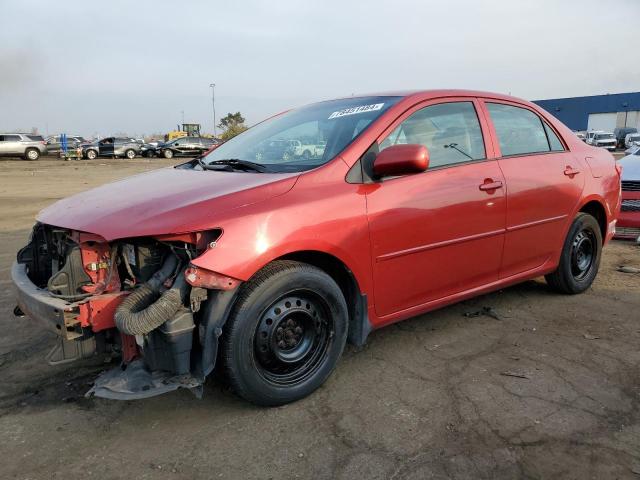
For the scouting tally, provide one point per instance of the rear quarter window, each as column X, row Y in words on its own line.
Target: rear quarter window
column 35, row 138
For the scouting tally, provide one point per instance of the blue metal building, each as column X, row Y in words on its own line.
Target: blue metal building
column 598, row 112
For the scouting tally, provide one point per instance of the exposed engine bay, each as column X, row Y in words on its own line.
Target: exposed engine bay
column 139, row 299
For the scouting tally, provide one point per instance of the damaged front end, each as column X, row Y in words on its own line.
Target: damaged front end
column 137, row 298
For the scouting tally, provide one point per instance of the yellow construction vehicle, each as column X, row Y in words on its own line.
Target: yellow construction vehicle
column 188, row 130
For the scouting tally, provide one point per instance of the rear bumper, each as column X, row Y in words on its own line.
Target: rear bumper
column 53, row 313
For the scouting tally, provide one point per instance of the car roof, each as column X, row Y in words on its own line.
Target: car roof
column 438, row 93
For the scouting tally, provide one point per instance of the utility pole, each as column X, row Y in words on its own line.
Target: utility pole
column 182, row 112
column 213, row 104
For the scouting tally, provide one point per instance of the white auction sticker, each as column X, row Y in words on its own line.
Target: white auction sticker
column 355, row 110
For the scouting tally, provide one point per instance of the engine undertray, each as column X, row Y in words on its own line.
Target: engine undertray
column 135, row 382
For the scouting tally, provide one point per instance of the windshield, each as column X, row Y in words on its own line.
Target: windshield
column 604, row 136
column 303, row 138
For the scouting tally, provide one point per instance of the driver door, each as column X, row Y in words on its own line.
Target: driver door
column 441, row 232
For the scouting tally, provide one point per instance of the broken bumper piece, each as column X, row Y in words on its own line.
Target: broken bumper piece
column 135, row 382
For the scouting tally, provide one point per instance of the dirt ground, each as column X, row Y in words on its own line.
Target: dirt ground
column 431, row 397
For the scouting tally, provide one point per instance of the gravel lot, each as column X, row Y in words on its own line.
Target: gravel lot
column 432, row 397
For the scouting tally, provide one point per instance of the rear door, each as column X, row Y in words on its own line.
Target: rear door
column 440, row 232
column 12, row 145
column 544, row 184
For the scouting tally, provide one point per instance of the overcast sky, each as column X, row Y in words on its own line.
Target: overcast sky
column 89, row 67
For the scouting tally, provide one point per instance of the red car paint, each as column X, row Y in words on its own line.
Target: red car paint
column 414, row 243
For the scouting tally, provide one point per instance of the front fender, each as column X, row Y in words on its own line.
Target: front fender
column 321, row 213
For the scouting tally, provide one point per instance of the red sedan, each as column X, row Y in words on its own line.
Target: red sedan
column 371, row 210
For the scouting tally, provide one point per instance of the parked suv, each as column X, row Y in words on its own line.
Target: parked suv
column 24, row 145
column 185, row 147
column 269, row 267
column 112, row 147
column 620, row 134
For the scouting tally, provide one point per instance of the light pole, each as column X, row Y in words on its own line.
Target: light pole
column 213, row 104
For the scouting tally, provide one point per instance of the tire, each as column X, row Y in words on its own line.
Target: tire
column 32, row 154
column 91, row 155
column 580, row 257
column 130, row 154
column 167, row 154
column 285, row 334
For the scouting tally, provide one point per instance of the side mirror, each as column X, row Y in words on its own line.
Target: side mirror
column 401, row 160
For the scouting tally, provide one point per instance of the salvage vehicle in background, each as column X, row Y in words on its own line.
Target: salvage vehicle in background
column 185, row 147
column 419, row 200
column 628, row 225
column 24, row 145
column 149, row 149
column 603, row 140
column 620, row 133
column 112, row 147
column 631, row 139
column 54, row 143
column 271, row 149
column 307, row 149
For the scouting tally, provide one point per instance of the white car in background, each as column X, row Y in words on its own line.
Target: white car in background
column 631, row 139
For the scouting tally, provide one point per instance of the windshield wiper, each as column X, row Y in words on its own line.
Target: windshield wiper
column 236, row 163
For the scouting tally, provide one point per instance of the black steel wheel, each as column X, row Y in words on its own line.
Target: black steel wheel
column 285, row 334
column 580, row 257
column 292, row 337
column 583, row 253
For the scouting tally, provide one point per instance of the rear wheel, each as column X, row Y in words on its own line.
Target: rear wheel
column 580, row 258
column 286, row 333
column 32, row 154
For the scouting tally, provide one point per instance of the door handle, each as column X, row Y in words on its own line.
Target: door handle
column 490, row 185
column 569, row 171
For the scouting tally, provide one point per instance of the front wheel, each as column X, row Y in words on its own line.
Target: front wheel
column 91, row 154
column 168, row 154
column 286, row 333
column 130, row 154
column 580, row 257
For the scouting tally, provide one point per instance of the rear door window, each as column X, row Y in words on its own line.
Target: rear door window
column 520, row 131
column 450, row 131
column 12, row 138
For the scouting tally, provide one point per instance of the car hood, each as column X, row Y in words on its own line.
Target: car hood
column 166, row 201
column 630, row 167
